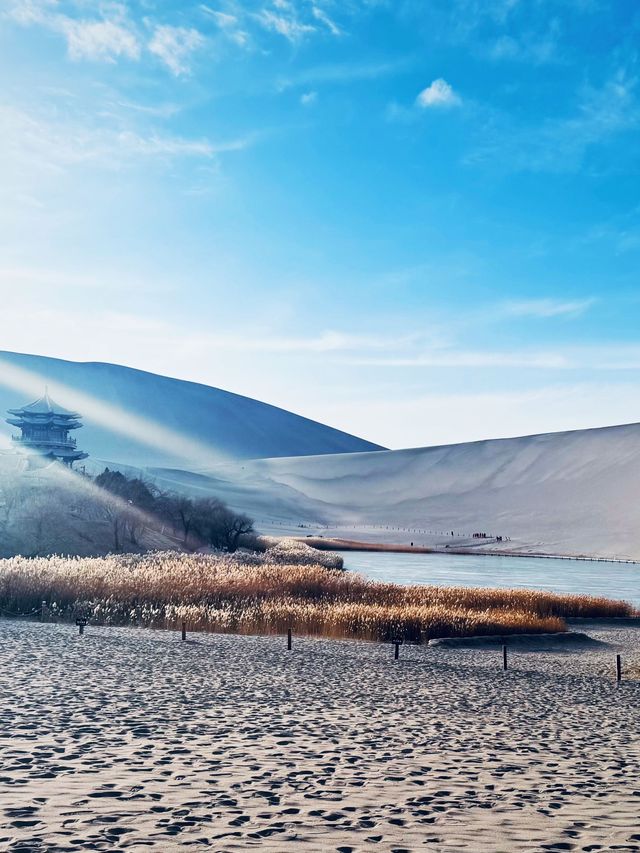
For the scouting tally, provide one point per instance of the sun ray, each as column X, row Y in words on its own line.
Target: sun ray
column 117, row 419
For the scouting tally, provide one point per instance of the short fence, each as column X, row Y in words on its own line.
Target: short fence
column 82, row 622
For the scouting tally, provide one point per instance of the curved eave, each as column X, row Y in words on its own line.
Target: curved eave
column 49, row 413
column 45, row 420
column 67, row 424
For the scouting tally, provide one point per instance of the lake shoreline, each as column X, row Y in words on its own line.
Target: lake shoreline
column 326, row 544
column 614, row 580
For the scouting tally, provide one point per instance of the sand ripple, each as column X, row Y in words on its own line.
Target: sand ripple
column 131, row 739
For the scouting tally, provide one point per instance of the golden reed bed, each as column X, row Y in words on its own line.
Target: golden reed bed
column 249, row 595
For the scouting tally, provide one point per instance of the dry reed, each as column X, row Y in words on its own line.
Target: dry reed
column 223, row 593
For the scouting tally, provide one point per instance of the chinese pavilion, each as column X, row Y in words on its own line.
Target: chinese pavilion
column 45, row 427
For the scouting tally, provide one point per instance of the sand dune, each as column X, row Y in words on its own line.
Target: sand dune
column 131, row 739
column 134, row 404
column 562, row 493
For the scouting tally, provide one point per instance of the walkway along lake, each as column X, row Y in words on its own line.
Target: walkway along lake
column 614, row 580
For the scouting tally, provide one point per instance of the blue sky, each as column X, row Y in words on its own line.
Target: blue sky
column 417, row 221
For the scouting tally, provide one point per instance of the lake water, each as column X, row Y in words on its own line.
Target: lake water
column 614, row 580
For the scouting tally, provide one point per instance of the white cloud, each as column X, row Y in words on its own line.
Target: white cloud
column 320, row 15
column 341, row 73
column 99, row 40
column 113, row 35
column 106, row 38
column 286, row 25
column 290, row 20
column 229, row 24
column 308, row 98
column 30, row 11
column 34, row 146
column 132, row 144
column 222, row 19
column 174, row 46
column 438, row 94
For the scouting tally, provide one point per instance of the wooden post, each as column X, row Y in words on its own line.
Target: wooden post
column 504, row 657
column 618, row 668
column 81, row 629
column 397, row 651
column 289, row 639
column 184, row 630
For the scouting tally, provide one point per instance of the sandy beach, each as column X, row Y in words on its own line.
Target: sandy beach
column 131, row 739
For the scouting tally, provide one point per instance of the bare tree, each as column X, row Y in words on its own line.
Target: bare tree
column 184, row 513
column 43, row 523
column 219, row 525
column 12, row 493
column 128, row 504
column 116, row 513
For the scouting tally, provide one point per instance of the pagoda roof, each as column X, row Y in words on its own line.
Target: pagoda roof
column 44, row 406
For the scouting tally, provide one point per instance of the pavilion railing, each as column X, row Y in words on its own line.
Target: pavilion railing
column 37, row 442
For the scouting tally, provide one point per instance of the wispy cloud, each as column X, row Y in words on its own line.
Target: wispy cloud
column 111, row 34
column 462, row 358
column 621, row 232
column 559, row 144
column 229, row 24
column 536, row 48
column 328, row 341
column 292, row 20
column 321, row 16
column 545, row 308
column 106, row 40
column 343, row 73
column 510, row 30
column 629, row 240
column 174, row 46
column 606, row 357
column 159, row 110
column 438, row 94
column 222, row 19
column 295, row 21
column 42, row 144
column 106, row 37
column 286, row 25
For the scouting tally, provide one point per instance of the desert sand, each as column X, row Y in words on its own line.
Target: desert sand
column 570, row 493
column 132, row 739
